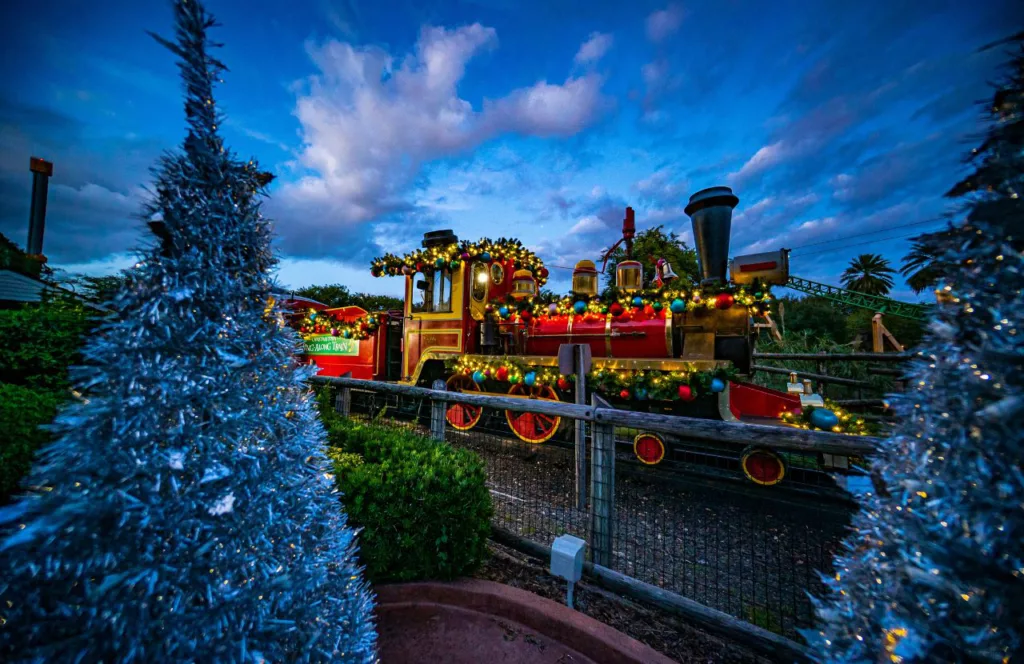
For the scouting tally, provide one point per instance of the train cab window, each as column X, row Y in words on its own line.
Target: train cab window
column 423, row 293
column 478, row 277
column 497, row 273
column 442, row 291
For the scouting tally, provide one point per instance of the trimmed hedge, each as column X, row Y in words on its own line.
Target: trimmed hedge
column 423, row 506
column 22, row 412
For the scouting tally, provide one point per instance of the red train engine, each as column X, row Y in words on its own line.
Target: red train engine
column 474, row 317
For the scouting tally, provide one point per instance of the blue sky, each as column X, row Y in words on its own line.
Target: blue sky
column 838, row 124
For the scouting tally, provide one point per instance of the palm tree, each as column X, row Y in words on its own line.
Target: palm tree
column 868, row 273
column 922, row 266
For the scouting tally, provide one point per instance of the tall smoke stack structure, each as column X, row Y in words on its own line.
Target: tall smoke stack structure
column 710, row 211
column 42, row 171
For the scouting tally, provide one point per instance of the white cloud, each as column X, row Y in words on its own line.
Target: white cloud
column 664, row 22
column 370, row 119
column 594, row 48
column 763, row 159
column 588, row 224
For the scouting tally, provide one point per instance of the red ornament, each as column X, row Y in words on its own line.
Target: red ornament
column 615, row 310
column 624, row 394
column 563, row 384
column 686, row 393
column 502, row 374
column 649, row 311
column 724, row 301
column 543, row 273
column 525, row 316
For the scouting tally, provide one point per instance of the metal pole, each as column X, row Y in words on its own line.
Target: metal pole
column 41, row 172
column 602, row 492
column 581, row 429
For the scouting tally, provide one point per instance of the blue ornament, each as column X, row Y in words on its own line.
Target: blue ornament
column 439, row 262
column 346, row 334
column 478, row 377
column 823, row 418
column 640, row 393
column 638, row 302
column 485, row 256
column 579, row 306
column 658, row 306
column 503, row 312
column 312, row 315
column 529, row 379
column 678, row 306
column 717, row 384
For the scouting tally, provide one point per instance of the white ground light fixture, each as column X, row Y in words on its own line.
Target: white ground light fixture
column 567, row 561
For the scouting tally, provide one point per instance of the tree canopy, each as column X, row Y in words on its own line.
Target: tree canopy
column 652, row 244
column 870, row 274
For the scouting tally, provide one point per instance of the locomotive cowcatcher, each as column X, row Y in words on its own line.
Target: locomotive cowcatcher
column 473, row 318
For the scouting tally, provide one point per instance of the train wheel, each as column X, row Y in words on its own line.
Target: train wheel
column 533, row 427
column 463, row 416
column 762, row 466
column 650, row 449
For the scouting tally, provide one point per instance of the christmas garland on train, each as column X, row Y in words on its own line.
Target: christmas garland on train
column 474, row 316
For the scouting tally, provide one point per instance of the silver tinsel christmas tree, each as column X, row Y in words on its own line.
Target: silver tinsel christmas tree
column 934, row 571
column 185, row 512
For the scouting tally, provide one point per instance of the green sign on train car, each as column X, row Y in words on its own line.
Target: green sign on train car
column 326, row 344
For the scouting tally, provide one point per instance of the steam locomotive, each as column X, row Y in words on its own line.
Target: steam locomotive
column 473, row 317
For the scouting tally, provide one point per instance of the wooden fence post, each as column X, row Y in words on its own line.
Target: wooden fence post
column 437, row 412
column 602, row 492
column 343, row 398
column 823, row 372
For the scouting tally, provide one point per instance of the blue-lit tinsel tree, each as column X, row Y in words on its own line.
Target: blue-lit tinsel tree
column 934, row 570
column 185, row 512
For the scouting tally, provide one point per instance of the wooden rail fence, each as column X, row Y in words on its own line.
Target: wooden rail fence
column 604, row 420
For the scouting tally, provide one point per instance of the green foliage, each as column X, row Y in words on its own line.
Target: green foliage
column 868, row 273
column 423, row 506
column 39, row 342
column 338, row 295
column 815, row 317
column 14, row 259
column 22, row 412
column 922, row 266
column 652, row 244
column 858, row 326
column 796, row 342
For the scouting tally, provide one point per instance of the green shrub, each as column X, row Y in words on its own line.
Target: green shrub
column 38, row 342
column 22, row 412
column 423, row 506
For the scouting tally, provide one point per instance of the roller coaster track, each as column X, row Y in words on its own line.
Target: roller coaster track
column 875, row 303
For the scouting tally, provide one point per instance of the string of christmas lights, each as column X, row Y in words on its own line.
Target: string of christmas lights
column 319, row 322
column 452, row 255
column 686, row 383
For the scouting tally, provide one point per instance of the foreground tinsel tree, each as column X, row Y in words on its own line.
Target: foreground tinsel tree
column 184, row 513
column 934, row 571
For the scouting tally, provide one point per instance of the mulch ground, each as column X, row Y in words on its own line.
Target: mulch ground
column 665, row 632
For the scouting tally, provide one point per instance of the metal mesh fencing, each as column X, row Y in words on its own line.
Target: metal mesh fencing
column 692, row 524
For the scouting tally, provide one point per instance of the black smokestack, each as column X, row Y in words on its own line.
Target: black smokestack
column 711, row 213
column 42, row 170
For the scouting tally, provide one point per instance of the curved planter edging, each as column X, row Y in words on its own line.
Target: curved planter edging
column 474, row 607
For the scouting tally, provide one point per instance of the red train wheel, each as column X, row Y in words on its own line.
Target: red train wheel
column 463, row 416
column 762, row 466
column 533, row 427
column 650, row 449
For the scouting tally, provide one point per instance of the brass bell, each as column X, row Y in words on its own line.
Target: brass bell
column 663, row 273
column 665, row 270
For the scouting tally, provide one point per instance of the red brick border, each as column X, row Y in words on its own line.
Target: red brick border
column 576, row 631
